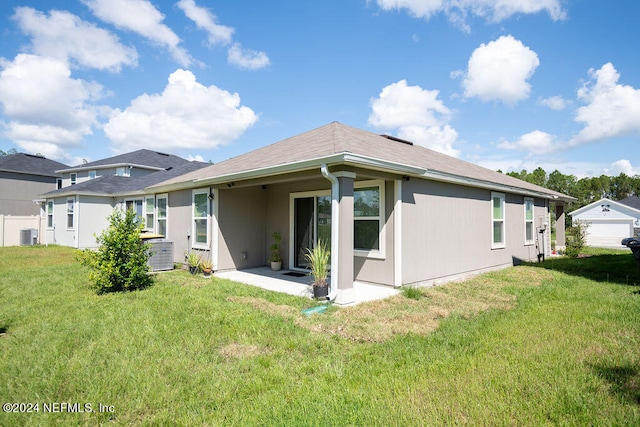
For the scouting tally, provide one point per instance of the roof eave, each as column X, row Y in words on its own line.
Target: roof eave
column 489, row 185
column 109, row 166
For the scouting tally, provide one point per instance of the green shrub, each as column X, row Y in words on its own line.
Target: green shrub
column 120, row 263
column 576, row 239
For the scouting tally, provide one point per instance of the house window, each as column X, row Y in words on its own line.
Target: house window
column 58, row 183
column 528, row 221
column 200, row 218
column 74, row 178
column 92, row 174
column 122, row 171
column 367, row 219
column 70, row 210
column 150, row 208
column 161, row 207
column 136, row 206
column 49, row 213
column 497, row 213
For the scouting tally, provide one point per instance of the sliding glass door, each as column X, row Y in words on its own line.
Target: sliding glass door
column 311, row 223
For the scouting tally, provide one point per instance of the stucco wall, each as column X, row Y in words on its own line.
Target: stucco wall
column 92, row 219
column 17, row 192
column 242, row 228
column 447, row 231
column 179, row 222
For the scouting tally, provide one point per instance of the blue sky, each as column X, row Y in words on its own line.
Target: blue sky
column 507, row 84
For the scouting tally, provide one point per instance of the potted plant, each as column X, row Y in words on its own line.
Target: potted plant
column 206, row 266
column 193, row 261
column 319, row 259
column 276, row 261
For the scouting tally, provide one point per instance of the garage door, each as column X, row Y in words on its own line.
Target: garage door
column 608, row 233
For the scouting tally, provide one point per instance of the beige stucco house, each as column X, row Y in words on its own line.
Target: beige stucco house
column 393, row 212
column 79, row 211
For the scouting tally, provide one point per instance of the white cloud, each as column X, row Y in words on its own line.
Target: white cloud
column 220, row 34
column 417, row 114
column 622, row 166
column 536, row 142
column 204, row 19
column 247, row 58
column 611, row 109
column 48, row 111
column 65, row 36
column 500, row 70
column 140, row 16
column 556, row 103
column 185, row 115
column 457, row 10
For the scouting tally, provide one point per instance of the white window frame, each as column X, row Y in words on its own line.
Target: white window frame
column 71, row 212
column 73, row 178
column 528, row 201
column 380, row 252
column 49, row 213
column 149, row 225
column 134, row 202
column 124, row 169
column 377, row 254
column 91, row 174
column 502, row 221
column 58, row 183
column 165, row 218
column 194, row 243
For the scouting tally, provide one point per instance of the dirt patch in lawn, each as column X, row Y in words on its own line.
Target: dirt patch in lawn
column 238, row 351
column 378, row 321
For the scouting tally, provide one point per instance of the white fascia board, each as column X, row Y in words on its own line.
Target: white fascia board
column 109, row 166
column 619, row 206
column 471, row 182
column 377, row 164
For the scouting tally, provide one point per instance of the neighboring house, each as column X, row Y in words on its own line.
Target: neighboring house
column 22, row 178
column 79, row 211
column 608, row 221
column 134, row 164
column 393, row 212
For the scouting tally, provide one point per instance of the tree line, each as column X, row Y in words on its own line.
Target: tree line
column 586, row 190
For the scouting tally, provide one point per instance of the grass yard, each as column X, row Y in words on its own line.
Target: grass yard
column 541, row 344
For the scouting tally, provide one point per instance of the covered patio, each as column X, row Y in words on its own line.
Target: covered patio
column 292, row 283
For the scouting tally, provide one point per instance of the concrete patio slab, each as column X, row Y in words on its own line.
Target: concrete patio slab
column 282, row 281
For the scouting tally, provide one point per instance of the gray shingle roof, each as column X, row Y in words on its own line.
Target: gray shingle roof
column 631, row 201
column 30, row 164
column 141, row 157
column 111, row 185
column 336, row 138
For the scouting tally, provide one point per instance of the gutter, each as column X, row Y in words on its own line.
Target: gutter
column 108, row 166
column 335, row 232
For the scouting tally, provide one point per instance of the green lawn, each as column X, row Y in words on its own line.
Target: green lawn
column 541, row 344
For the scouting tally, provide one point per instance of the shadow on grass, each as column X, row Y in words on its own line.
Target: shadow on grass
column 618, row 268
column 624, row 381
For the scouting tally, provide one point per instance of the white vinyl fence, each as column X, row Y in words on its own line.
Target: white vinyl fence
column 21, row 230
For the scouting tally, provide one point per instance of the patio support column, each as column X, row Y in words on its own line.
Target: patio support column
column 560, row 232
column 345, row 290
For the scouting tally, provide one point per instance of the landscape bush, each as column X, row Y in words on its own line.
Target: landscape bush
column 576, row 239
column 120, row 263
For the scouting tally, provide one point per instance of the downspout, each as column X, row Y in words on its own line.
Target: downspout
column 335, row 189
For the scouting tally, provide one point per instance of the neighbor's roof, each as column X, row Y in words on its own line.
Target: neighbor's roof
column 141, row 158
column 30, row 164
column 631, row 201
column 336, row 143
column 112, row 185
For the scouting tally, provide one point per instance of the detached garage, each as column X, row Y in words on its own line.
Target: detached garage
column 609, row 221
